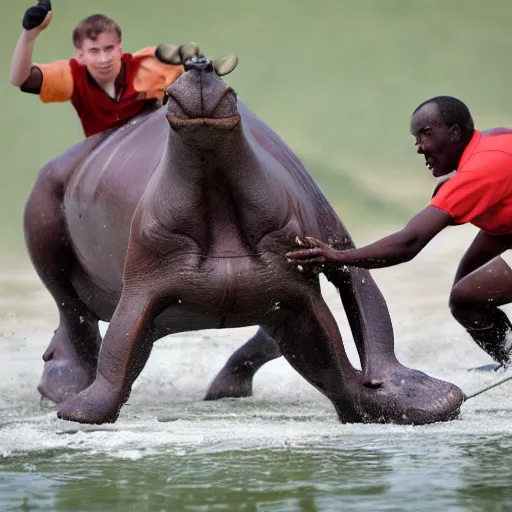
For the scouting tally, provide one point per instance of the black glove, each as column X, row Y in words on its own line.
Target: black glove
column 36, row 14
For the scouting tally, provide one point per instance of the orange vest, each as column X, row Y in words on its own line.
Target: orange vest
column 145, row 79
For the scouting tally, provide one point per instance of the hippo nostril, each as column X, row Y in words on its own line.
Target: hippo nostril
column 199, row 63
column 48, row 356
column 373, row 384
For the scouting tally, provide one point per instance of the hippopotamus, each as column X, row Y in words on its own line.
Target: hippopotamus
column 180, row 221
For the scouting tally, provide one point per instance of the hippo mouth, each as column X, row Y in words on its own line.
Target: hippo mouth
column 226, row 123
column 223, row 114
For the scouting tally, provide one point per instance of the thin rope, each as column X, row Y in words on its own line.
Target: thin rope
column 502, row 381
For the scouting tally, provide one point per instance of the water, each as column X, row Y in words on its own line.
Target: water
column 281, row 450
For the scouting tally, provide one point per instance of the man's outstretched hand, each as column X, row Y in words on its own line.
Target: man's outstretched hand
column 38, row 16
column 313, row 252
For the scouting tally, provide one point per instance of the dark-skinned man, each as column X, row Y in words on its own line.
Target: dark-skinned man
column 474, row 171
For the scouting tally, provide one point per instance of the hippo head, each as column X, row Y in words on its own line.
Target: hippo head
column 199, row 99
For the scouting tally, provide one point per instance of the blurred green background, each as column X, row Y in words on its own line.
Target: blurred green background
column 336, row 79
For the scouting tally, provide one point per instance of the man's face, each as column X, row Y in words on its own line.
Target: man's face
column 438, row 143
column 102, row 57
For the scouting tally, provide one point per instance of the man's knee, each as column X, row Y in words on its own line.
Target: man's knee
column 461, row 303
column 468, row 308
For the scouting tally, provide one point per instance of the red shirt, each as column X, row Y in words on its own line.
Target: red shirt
column 480, row 192
column 141, row 82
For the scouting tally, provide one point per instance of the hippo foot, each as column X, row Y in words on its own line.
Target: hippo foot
column 65, row 372
column 95, row 405
column 406, row 397
column 63, row 378
column 229, row 385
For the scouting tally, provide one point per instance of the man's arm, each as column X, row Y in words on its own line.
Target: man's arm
column 397, row 248
column 35, row 20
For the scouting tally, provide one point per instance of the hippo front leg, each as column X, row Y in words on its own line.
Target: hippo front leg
column 123, row 354
column 310, row 340
column 390, row 392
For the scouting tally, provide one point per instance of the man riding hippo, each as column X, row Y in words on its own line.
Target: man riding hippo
column 474, row 171
column 105, row 86
column 180, row 222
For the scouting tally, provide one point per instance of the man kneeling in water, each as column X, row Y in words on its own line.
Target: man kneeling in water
column 475, row 174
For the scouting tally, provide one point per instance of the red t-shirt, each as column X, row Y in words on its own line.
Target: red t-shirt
column 480, row 192
column 143, row 81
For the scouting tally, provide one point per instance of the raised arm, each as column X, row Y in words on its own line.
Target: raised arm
column 35, row 20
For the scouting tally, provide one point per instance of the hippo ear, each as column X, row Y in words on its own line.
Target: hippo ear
column 225, row 65
column 168, row 54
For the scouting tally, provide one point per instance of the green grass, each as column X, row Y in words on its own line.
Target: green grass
column 336, row 79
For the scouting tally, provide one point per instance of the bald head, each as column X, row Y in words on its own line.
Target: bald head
column 442, row 127
column 450, row 111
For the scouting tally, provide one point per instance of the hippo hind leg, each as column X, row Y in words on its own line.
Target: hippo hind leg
column 70, row 359
column 236, row 377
